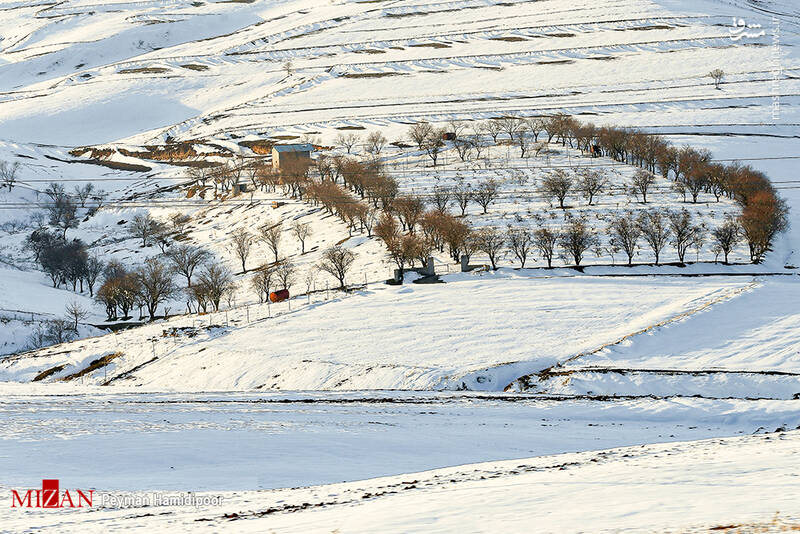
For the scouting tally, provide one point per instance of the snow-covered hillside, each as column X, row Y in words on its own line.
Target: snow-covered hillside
column 474, row 331
column 217, row 68
column 534, row 370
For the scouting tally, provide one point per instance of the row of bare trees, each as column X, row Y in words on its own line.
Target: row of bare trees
column 336, row 261
column 692, row 171
column 153, row 284
column 271, row 234
column 626, row 233
column 364, row 179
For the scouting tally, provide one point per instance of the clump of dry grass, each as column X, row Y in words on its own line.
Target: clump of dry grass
column 93, row 365
column 260, row 146
column 144, row 70
column 777, row 524
column 48, row 372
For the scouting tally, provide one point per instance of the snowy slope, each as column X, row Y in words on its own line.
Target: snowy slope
column 611, row 357
column 475, row 331
column 702, row 486
column 123, row 74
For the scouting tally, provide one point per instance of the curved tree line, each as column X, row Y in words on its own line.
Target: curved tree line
column 764, row 214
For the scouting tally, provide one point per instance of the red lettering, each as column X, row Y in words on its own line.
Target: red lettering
column 66, row 497
column 50, row 493
column 48, row 497
column 82, row 496
column 16, row 498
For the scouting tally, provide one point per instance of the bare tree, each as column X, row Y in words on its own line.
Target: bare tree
column 347, row 141
column 230, row 296
column 186, row 258
column 698, row 242
column 576, row 239
column 51, row 332
column 376, row 143
column 441, row 198
column 285, row 272
column 641, row 182
column 409, row 209
column 310, row 277
column 367, row 215
column 491, row 241
column 485, row 194
column 337, row 261
column 726, row 236
column 419, row 133
column 76, row 313
column 655, row 231
column 522, row 141
column 696, row 181
column 680, row 188
column 271, row 234
column 463, row 147
column 241, row 245
column 214, row 282
column 179, row 221
column 155, row 283
column 262, row 282
column 81, row 193
column 457, row 128
column 545, row 241
column 556, row 185
column 456, row 234
column 591, row 183
column 434, row 144
column 625, row 233
column 94, row 268
column 535, row 126
column 680, row 224
column 54, row 190
column 510, row 126
column 520, row 242
column 491, row 127
column 387, row 229
column 717, row 75
column 302, row 231
column 199, row 294
column 764, row 216
column 404, row 249
column 145, row 227
column 8, row 174
column 288, row 68
column 463, row 194
column 64, row 214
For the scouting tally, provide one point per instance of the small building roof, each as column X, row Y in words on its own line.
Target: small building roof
column 302, row 147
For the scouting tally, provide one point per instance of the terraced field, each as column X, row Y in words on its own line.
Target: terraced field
column 388, row 63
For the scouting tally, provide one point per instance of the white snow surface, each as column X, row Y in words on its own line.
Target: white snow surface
column 648, row 358
column 479, row 330
column 676, row 487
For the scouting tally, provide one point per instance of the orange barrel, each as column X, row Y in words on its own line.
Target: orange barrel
column 279, row 296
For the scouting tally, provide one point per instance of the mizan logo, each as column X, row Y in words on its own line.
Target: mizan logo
column 50, row 496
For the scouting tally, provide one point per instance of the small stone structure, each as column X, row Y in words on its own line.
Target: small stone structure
column 291, row 155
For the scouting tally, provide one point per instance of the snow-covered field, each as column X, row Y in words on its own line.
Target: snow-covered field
column 475, row 331
column 747, row 484
column 275, row 440
column 557, row 364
